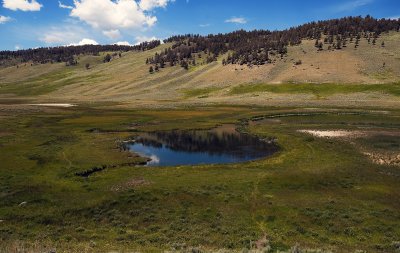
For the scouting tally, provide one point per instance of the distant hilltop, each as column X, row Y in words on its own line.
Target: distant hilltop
column 256, row 47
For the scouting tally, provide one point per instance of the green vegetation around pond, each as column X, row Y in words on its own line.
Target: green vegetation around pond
column 315, row 192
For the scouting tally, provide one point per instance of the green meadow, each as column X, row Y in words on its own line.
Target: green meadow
column 316, row 193
column 319, row 90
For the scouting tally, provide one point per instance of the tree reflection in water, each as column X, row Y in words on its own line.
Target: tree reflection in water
column 221, row 145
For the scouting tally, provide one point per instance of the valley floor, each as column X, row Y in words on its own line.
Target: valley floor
column 334, row 192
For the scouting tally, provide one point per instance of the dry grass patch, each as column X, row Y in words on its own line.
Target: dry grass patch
column 130, row 184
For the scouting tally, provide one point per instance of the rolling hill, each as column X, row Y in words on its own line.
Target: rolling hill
column 304, row 75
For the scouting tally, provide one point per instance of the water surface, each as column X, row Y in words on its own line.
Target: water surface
column 193, row 147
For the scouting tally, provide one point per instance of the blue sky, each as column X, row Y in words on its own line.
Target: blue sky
column 36, row 23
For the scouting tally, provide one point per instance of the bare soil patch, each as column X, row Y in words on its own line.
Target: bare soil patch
column 388, row 158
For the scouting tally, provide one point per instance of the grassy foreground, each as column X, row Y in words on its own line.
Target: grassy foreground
column 315, row 193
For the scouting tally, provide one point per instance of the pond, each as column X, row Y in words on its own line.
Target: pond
column 221, row 145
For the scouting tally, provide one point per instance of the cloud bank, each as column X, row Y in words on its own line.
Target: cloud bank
column 84, row 42
column 23, row 5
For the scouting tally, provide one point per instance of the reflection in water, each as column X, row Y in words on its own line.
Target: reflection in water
column 221, row 145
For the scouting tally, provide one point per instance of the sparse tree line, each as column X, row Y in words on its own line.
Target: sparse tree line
column 67, row 54
column 340, row 41
column 259, row 46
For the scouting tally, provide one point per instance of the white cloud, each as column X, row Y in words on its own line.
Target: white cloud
column 147, row 5
column 61, row 5
column 4, row 19
column 204, row 25
column 236, row 20
column 123, row 43
column 113, row 16
column 17, row 47
column 109, row 15
column 140, row 39
column 112, row 34
column 84, row 42
column 23, row 5
column 352, row 5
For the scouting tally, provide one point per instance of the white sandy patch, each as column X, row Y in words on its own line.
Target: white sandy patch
column 54, row 105
column 378, row 157
column 332, row 133
column 384, row 159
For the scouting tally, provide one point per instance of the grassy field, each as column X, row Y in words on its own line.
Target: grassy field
column 319, row 90
column 315, row 193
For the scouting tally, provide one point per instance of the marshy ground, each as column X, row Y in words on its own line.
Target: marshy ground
column 316, row 192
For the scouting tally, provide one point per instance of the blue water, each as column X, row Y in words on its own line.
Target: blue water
column 176, row 148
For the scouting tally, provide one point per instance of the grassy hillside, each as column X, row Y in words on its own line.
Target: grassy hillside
column 128, row 80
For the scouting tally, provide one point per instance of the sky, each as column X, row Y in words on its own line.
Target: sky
column 43, row 23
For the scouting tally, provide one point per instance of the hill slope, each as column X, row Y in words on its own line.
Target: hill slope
column 127, row 79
